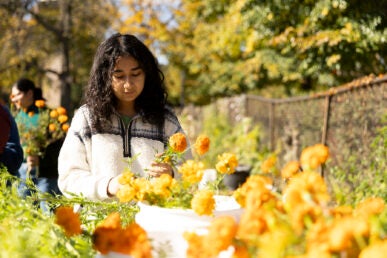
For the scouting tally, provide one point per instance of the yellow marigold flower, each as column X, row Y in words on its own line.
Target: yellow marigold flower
column 192, row 171
column 195, row 245
column 343, row 232
column 126, row 178
column 203, row 202
column 51, row 127
column 341, row 211
column 62, row 119
column 268, row 164
column 227, row 162
column 254, row 184
column 309, row 187
column 253, row 224
column 178, row 142
column 61, row 111
column 202, row 144
column 290, row 169
column 141, row 186
column 221, row 233
column 370, row 206
column 126, row 194
column 65, row 127
column 31, row 114
column 54, row 114
column 40, row 103
column 161, row 185
column 68, row 220
column 375, row 250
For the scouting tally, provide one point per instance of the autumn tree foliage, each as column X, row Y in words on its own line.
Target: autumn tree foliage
column 35, row 33
column 219, row 48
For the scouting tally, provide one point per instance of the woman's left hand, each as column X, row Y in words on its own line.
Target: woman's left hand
column 158, row 168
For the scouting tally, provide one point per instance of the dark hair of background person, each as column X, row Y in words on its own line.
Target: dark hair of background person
column 99, row 95
column 24, row 85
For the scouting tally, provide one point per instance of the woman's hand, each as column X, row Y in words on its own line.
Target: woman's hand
column 113, row 186
column 33, row 161
column 158, row 168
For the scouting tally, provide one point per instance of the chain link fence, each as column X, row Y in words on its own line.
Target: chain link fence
column 345, row 118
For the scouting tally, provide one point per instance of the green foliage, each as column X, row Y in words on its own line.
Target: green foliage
column 242, row 139
column 358, row 179
column 27, row 231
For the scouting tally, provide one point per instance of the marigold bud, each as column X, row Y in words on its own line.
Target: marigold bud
column 40, row 103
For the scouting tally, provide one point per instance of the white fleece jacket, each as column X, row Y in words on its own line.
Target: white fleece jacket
column 88, row 160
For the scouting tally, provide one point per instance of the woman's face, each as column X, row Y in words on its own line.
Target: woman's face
column 22, row 100
column 128, row 80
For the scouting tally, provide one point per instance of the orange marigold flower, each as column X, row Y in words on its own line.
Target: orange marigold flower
column 69, row 220
column 51, row 127
column 178, row 142
column 104, row 239
column 31, row 114
column 268, row 164
column 111, row 237
column 202, row 144
column 220, row 236
column 241, row 252
column 62, row 119
column 40, row 103
column 61, row 111
column 136, row 241
column 54, row 114
column 203, row 202
column 65, row 127
column 195, row 245
column 370, row 206
column 313, row 156
column 290, row 169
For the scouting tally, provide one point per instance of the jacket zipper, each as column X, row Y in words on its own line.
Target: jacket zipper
column 126, row 136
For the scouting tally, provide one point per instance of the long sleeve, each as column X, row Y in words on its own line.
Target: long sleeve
column 75, row 169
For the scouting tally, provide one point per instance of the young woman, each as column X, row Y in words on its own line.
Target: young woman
column 125, row 116
column 24, row 94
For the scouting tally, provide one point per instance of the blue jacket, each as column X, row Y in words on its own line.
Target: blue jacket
column 12, row 157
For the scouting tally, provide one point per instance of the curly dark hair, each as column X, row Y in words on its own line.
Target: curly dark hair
column 99, row 97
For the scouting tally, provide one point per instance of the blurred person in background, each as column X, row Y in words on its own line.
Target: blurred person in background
column 42, row 169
